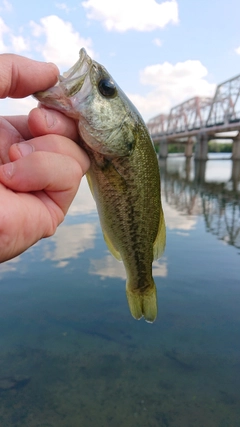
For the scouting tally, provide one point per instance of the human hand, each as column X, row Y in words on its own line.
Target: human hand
column 40, row 164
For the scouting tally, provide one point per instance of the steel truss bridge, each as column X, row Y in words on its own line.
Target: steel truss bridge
column 200, row 119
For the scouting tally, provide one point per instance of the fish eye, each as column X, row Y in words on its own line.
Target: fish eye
column 107, row 87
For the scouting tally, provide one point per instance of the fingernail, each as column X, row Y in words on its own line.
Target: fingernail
column 25, row 149
column 8, row 170
column 49, row 117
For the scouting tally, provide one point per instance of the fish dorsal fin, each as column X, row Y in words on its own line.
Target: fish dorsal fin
column 160, row 241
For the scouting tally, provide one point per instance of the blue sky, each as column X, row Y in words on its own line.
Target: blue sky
column 160, row 52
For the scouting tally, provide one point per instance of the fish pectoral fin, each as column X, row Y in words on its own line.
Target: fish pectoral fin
column 143, row 304
column 115, row 177
column 160, row 241
column 90, row 184
column 111, row 247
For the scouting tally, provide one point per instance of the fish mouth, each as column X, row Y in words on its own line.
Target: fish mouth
column 78, row 69
column 67, row 86
column 73, row 79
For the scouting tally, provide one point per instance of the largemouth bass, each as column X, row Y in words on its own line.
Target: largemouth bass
column 124, row 174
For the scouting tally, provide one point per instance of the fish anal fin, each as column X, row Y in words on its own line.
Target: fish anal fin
column 160, row 241
column 111, row 247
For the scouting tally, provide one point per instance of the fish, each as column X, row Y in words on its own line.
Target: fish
column 124, row 175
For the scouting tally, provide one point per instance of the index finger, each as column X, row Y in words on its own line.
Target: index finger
column 20, row 76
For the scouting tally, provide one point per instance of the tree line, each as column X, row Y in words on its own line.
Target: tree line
column 213, row 147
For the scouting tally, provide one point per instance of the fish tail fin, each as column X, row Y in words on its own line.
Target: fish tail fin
column 143, row 302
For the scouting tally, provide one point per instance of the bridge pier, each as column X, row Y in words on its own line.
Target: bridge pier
column 235, row 174
column 201, row 148
column 236, row 148
column 189, row 148
column 187, row 168
column 199, row 171
column 163, row 149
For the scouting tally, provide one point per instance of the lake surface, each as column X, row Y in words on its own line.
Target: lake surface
column 71, row 355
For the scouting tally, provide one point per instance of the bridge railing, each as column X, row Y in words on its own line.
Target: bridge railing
column 201, row 112
column 223, row 118
column 226, row 102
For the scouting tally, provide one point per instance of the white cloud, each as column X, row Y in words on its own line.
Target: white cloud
column 237, row 50
column 9, row 42
column 172, row 84
column 123, row 15
column 9, row 106
column 37, row 29
column 62, row 41
column 157, row 42
column 6, row 6
column 19, row 44
column 63, row 6
column 167, row 73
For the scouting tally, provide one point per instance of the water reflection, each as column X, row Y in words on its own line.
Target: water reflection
column 70, row 352
column 9, row 266
column 210, row 189
column 77, row 238
column 110, row 267
column 83, row 203
column 76, row 235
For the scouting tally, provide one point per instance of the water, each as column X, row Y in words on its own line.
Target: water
column 71, row 355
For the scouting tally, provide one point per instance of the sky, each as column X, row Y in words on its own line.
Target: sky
column 161, row 53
